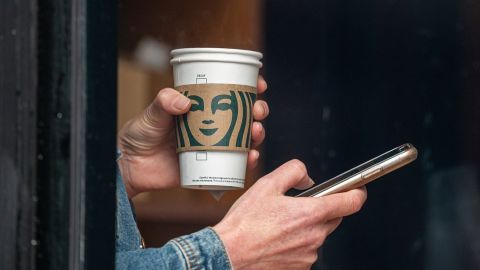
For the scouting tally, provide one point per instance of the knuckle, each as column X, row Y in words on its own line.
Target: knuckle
column 319, row 238
column 262, row 182
column 356, row 202
column 311, row 257
column 309, row 211
column 338, row 221
column 261, row 104
column 313, row 210
column 322, row 210
column 266, row 109
column 262, row 132
column 320, row 215
column 258, row 127
column 298, row 167
column 146, row 118
column 261, row 110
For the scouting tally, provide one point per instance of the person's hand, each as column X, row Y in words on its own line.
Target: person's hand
column 265, row 229
column 149, row 159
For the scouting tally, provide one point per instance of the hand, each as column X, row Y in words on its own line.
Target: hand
column 266, row 230
column 149, row 159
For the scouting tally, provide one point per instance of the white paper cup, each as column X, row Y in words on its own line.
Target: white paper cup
column 215, row 169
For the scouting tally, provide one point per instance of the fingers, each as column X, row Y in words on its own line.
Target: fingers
column 292, row 174
column 258, row 134
column 252, row 159
column 260, row 110
column 342, row 204
column 261, row 85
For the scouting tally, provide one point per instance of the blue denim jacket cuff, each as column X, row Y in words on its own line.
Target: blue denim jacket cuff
column 203, row 250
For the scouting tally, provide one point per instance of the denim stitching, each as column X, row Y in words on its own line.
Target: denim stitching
column 191, row 251
column 183, row 251
column 224, row 250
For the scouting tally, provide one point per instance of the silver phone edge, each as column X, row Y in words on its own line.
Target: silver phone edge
column 385, row 166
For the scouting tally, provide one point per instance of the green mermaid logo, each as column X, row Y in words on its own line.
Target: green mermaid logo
column 219, row 118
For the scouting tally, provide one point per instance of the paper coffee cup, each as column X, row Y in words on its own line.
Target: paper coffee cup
column 213, row 138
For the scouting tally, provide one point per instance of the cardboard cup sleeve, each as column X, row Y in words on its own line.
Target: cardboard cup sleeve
column 219, row 119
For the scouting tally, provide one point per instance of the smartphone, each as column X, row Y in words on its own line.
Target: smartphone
column 365, row 173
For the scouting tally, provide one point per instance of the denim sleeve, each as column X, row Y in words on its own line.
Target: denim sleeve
column 199, row 250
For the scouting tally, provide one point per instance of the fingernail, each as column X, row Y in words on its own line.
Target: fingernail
column 263, row 80
column 256, row 154
column 181, row 103
column 258, row 127
column 311, row 182
column 265, row 109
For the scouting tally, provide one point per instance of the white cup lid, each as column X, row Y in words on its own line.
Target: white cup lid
column 216, row 55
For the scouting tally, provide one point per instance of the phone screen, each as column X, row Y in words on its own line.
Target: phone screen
column 348, row 174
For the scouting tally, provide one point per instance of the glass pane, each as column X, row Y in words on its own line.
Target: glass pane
column 348, row 80
column 355, row 79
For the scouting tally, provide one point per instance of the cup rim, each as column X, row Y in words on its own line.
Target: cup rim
column 179, row 51
column 184, row 55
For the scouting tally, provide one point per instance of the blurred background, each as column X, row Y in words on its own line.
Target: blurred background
column 348, row 80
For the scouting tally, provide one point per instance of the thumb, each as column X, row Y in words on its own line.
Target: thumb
column 168, row 102
column 143, row 133
column 292, row 174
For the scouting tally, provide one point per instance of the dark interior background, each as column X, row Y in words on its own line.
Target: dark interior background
column 351, row 79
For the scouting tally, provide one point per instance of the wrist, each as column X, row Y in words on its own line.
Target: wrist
column 239, row 255
column 203, row 250
column 125, row 173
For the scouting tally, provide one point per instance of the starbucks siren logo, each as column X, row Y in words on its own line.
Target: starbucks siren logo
column 220, row 117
